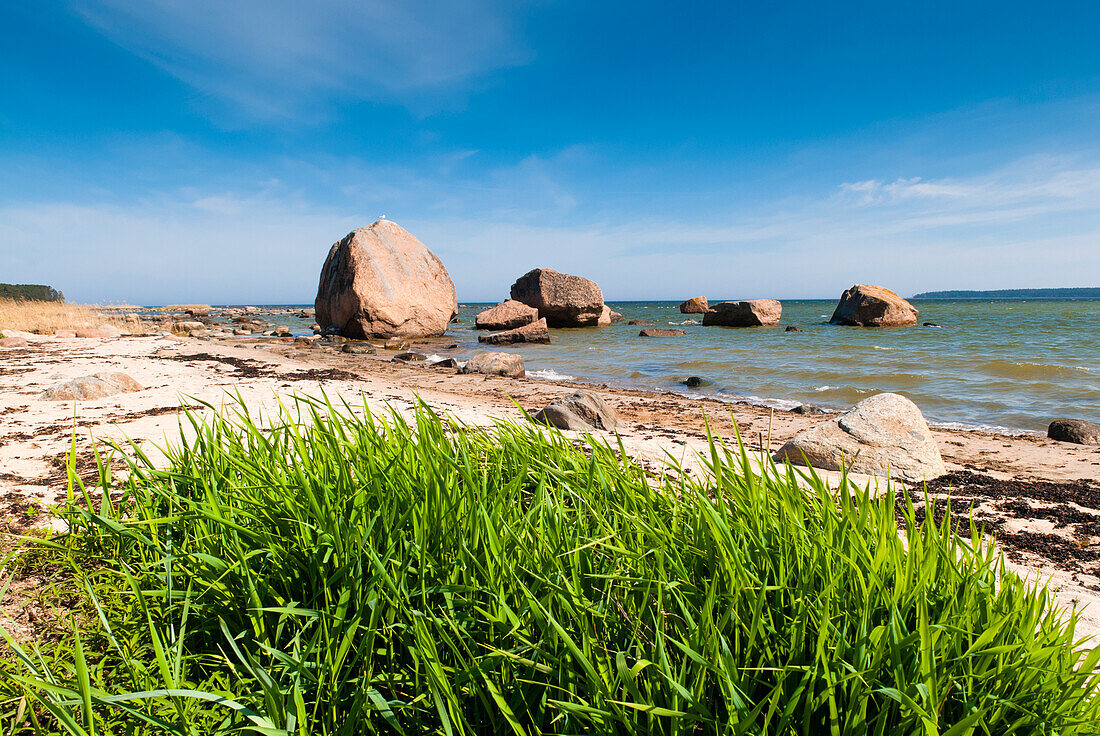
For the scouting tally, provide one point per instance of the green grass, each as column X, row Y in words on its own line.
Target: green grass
column 331, row 575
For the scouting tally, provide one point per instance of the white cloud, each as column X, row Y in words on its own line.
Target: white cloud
column 1033, row 223
column 275, row 58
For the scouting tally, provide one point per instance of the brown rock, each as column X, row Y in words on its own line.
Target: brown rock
column 496, row 364
column 536, row 332
column 873, row 306
column 96, row 386
column 1077, row 431
column 640, row 322
column 581, row 411
column 101, row 331
column 13, row 342
column 508, row 315
column 751, row 313
column 380, row 281
column 65, row 333
column 885, row 434
column 660, row 332
column 186, row 328
column 698, row 305
column 358, row 348
column 562, row 299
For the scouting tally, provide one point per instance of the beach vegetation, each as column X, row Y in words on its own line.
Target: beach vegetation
column 329, row 571
column 31, row 292
column 47, row 317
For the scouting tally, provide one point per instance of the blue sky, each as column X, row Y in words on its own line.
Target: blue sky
column 211, row 151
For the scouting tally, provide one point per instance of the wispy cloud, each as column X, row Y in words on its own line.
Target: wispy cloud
column 273, row 58
column 1033, row 223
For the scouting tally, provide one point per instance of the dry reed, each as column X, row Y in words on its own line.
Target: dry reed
column 46, row 318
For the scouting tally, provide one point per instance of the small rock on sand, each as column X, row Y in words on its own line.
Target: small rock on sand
column 97, row 386
column 885, row 433
column 101, row 331
column 1077, row 431
column 580, row 411
column 13, row 342
column 496, row 364
column 358, row 348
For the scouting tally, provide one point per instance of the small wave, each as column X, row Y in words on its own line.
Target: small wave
column 1031, row 369
column 987, row 428
column 826, row 388
column 879, row 347
column 549, row 374
column 433, row 358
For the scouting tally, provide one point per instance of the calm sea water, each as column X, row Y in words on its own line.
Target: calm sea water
column 1001, row 364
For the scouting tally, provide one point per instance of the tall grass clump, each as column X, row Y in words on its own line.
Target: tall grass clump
column 335, row 575
column 46, row 317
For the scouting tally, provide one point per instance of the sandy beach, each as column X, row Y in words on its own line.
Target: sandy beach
column 1040, row 497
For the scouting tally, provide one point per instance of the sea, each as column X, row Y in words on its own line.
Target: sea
column 1008, row 366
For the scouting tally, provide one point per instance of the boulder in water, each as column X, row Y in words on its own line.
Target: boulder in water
column 562, row 299
column 698, row 305
column 864, row 305
column 508, row 315
column 1077, row 431
column 884, row 434
column 380, row 281
column 661, row 332
column 536, row 332
column 580, row 412
column 749, row 313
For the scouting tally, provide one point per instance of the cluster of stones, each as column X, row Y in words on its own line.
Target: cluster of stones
column 543, row 298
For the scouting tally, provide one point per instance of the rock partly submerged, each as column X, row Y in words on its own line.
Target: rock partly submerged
column 865, row 305
column 698, row 305
column 536, row 332
column 380, row 281
column 661, row 332
column 563, row 299
column 1077, row 431
column 883, row 434
column 508, row 315
column 748, row 313
column 96, row 386
column 580, row 411
column 496, row 364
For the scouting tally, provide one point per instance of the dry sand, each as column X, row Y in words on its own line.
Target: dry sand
column 1041, row 497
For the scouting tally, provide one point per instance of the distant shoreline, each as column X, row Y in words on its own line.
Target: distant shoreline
column 1008, row 294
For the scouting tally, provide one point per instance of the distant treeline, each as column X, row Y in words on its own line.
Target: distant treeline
column 1077, row 293
column 31, row 292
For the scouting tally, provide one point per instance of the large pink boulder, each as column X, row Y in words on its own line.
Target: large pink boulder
column 380, row 281
column 873, row 306
column 562, row 299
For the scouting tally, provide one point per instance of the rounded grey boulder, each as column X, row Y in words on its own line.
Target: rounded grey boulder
column 1077, row 431
column 883, row 435
column 580, row 411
